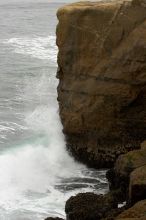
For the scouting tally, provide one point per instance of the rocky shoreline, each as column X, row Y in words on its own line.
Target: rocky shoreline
column 127, row 181
column 102, row 101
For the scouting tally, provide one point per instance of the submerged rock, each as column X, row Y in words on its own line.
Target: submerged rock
column 102, row 78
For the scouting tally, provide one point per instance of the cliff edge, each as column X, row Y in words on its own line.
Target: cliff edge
column 102, row 78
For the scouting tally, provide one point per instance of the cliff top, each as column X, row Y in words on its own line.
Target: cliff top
column 100, row 4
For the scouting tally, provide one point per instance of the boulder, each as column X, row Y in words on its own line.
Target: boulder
column 137, row 187
column 119, row 176
column 102, row 78
column 89, row 206
column 126, row 163
column 136, row 212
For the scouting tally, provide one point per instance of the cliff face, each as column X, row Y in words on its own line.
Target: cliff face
column 102, row 78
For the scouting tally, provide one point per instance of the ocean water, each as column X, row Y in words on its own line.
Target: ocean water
column 37, row 175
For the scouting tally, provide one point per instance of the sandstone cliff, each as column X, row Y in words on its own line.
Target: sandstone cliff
column 102, row 78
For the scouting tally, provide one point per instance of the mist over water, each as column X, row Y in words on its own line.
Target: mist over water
column 37, row 173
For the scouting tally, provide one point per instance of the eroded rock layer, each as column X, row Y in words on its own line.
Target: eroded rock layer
column 102, row 78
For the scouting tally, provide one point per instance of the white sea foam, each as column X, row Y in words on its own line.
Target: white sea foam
column 31, row 171
column 38, row 47
column 36, row 174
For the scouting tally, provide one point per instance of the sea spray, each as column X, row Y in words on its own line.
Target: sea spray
column 37, row 173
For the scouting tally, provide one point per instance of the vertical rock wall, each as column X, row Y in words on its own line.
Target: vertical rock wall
column 102, row 78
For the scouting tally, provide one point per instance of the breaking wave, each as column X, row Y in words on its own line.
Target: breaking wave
column 38, row 175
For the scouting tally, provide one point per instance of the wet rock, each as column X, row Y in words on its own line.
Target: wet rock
column 102, row 78
column 89, row 206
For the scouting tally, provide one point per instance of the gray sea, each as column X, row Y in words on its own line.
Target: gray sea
column 37, row 175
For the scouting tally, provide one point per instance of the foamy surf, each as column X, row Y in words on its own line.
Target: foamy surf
column 43, row 48
column 37, row 177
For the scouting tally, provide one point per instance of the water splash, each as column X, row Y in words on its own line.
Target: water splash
column 38, row 175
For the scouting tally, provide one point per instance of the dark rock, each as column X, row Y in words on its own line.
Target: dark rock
column 89, row 206
column 118, row 185
column 129, row 168
column 114, row 213
column 137, row 187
